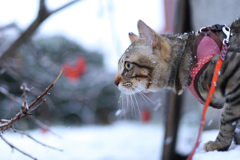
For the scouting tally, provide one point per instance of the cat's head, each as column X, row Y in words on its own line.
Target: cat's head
column 144, row 65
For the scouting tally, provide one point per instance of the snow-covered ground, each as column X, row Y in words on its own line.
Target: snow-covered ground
column 232, row 154
column 123, row 140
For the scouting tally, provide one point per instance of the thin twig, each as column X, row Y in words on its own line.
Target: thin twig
column 45, row 92
column 10, row 96
column 25, row 91
column 43, row 14
column 4, row 120
column 12, row 146
column 29, row 136
column 10, row 25
column 22, row 114
column 43, row 126
column 37, row 106
column 64, row 6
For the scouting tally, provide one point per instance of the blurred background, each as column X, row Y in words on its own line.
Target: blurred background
column 86, row 38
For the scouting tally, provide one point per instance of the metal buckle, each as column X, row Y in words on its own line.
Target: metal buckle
column 227, row 31
column 201, row 29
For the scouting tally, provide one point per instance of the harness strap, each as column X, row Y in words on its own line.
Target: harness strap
column 195, row 84
column 209, row 31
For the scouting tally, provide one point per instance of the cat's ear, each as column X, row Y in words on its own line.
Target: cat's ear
column 132, row 37
column 147, row 33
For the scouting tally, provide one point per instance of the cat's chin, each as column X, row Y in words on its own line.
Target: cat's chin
column 145, row 91
column 130, row 90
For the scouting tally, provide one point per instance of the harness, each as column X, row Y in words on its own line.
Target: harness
column 221, row 58
column 206, row 46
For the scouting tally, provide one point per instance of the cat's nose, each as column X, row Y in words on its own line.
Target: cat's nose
column 117, row 79
column 116, row 83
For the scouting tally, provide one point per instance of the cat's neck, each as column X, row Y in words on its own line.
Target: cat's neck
column 181, row 60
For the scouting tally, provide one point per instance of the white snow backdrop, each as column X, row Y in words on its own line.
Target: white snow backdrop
column 123, row 140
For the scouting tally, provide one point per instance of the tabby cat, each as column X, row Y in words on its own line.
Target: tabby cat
column 153, row 62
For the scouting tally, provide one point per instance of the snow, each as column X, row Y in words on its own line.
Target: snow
column 233, row 153
column 158, row 106
column 118, row 112
column 168, row 140
column 180, row 37
column 122, row 140
column 237, row 130
column 119, row 141
column 210, row 122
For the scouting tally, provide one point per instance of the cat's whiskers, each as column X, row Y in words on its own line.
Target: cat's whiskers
column 137, row 105
column 124, row 103
column 163, row 91
column 120, row 104
column 147, row 98
column 132, row 102
column 138, row 89
column 144, row 96
column 141, row 94
column 128, row 99
column 153, row 81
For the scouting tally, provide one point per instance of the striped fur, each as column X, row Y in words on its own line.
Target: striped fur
column 153, row 62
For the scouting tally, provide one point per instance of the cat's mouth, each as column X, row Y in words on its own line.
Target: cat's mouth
column 129, row 88
column 131, row 85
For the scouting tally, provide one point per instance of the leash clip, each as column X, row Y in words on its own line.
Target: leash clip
column 226, row 30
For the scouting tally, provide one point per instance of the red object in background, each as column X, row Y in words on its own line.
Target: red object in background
column 43, row 131
column 145, row 115
column 74, row 72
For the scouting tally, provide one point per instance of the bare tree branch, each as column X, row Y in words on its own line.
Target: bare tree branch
column 29, row 136
column 45, row 92
column 9, row 51
column 43, row 14
column 11, row 25
column 43, row 126
column 25, row 91
column 10, row 96
column 64, row 6
column 22, row 113
column 13, row 147
column 37, row 106
column 4, row 120
column 43, row 11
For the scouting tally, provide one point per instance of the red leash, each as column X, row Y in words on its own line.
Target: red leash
column 221, row 58
column 210, row 94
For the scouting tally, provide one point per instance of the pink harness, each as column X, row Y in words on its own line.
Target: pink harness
column 207, row 48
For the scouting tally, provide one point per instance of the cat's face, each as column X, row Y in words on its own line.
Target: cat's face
column 143, row 67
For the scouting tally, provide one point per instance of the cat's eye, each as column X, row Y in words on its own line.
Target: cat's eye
column 127, row 65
